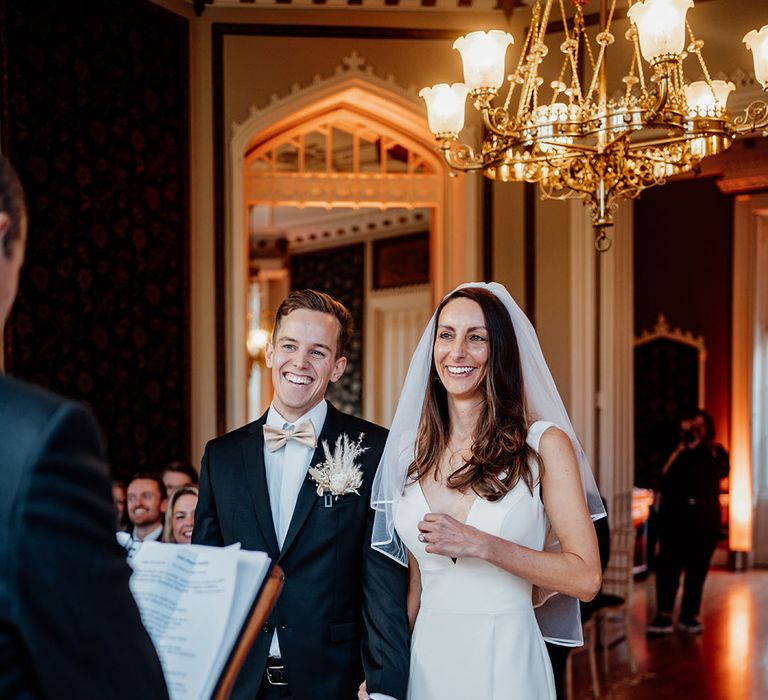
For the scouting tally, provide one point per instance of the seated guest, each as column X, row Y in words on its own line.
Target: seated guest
column 180, row 516
column 63, row 580
column 118, row 498
column 178, row 474
column 147, row 502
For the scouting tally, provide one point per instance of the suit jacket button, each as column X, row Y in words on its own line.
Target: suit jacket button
column 269, row 628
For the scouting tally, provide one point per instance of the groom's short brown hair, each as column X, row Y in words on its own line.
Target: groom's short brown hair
column 319, row 301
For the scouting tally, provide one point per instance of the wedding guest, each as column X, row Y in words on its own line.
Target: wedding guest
column 485, row 493
column 688, row 522
column 341, row 615
column 63, row 578
column 180, row 515
column 147, row 502
column 177, row 474
column 119, row 497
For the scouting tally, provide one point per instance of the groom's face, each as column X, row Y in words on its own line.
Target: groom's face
column 302, row 356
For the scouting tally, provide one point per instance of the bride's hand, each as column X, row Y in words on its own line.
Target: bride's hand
column 443, row 534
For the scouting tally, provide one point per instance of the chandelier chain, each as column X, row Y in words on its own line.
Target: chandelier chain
column 601, row 56
column 523, row 54
column 696, row 46
column 638, row 61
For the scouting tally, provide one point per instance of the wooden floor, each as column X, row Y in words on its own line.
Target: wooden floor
column 728, row 661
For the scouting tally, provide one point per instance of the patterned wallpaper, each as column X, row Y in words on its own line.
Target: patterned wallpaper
column 95, row 119
column 340, row 273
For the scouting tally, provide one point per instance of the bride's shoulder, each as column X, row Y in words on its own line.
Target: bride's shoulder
column 543, row 431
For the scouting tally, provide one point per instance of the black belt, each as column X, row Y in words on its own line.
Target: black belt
column 276, row 671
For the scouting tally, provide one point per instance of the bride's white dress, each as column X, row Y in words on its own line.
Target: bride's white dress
column 476, row 636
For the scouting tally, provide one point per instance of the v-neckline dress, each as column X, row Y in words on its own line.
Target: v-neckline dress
column 476, row 635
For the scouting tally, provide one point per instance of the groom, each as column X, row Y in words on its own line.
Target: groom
column 341, row 617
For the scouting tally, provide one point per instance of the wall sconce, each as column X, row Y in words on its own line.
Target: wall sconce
column 256, row 344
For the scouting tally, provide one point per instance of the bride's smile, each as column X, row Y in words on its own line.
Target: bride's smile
column 461, row 348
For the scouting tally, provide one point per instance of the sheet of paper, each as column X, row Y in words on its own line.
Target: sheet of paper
column 252, row 567
column 193, row 605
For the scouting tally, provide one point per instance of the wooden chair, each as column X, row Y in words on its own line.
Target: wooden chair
column 614, row 602
column 265, row 601
column 589, row 630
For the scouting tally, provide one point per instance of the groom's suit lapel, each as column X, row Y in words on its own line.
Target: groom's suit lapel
column 307, row 498
column 256, row 476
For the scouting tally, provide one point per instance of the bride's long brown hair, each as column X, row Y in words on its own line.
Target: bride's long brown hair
column 499, row 455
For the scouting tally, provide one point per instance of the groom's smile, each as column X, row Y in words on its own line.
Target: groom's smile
column 297, row 379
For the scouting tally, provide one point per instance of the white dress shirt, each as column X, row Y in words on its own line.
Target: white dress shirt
column 153, row 536
column 286, row 471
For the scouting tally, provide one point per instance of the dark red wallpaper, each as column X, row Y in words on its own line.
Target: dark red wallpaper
column 95, row 119
column 683, row 269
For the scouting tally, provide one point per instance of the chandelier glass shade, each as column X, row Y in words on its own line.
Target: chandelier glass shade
column 572, row 139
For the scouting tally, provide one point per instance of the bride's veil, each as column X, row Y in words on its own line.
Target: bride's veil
column 557, row 614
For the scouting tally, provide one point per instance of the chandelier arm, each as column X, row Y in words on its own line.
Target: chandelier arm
column 755, row 117
column 591, row 150
column 497, row 121
column 460, row 156
column 668, row 141
column 662, row 97
column 556, row 160
column 615, row 140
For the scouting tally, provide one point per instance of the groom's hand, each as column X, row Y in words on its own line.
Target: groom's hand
column 443, row 534
column 362, row 694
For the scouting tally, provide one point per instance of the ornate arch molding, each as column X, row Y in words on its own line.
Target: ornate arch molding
column 354, row 89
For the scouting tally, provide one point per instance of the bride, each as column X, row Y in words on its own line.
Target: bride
column 484, row 492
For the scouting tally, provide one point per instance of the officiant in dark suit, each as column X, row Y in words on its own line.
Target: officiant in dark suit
column 69, row 627
column 341, row 617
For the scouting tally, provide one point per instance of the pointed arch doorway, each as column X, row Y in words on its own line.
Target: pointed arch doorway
column 277, row 159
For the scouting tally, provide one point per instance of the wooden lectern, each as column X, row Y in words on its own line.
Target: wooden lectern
column 263, row 605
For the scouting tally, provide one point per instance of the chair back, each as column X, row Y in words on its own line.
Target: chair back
column 618, row 575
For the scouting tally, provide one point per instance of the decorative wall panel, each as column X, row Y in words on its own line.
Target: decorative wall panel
column 96, row 122
column 339, row 272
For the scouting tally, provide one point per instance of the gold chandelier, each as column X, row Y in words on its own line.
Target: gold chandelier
column 576, row 142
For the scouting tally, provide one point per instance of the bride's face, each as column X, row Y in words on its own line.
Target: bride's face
column 461, row 349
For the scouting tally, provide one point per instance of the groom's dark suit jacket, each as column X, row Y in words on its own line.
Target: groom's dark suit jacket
column 341, row 616
column 69, row 627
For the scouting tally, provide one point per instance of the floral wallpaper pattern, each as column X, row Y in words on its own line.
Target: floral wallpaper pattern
column 96, row 122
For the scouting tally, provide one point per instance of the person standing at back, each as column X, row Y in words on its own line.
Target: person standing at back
column 69, row 627
column 689, row 522
column 341, row 616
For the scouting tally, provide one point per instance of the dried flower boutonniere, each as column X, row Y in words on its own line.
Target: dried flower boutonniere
column 339, row 474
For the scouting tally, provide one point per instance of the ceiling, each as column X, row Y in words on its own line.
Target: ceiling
column 443, row 5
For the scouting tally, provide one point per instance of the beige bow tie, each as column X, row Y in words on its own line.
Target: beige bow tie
column 275, row 438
